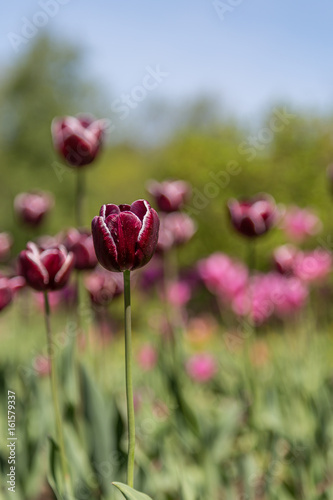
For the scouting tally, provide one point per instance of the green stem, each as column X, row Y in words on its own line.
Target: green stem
column 80, row 191
column 251, row 261
column 129, row 384
column 54, row 391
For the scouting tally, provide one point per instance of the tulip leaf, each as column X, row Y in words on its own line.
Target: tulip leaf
column 54, row 476
column 129, row 493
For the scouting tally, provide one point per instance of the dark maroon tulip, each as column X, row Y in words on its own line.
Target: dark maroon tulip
column 6, row 292
column 81, row 244
column 125, row 236
column 78, row 138
column 46, row 269
column 32, row 207
column 6, row 242
column 170, row 196
column 103, row 286
column 253, row 217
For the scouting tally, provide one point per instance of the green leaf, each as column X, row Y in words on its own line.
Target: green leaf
column 129, row 493
column 54, row 475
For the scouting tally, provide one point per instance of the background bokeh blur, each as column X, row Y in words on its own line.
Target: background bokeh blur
column 235, row 97
column 224, row 70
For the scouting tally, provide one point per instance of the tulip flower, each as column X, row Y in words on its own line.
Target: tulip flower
column 176, row 230
column 253, row 217
column 46, row 269
column 201, row 367
column 170, row 196
column 147, row 357
column 31, row 208
column 223, row 276
column 284, row 258
column 125, row 238
column 78, row 138
column 81, row 244
column 313, row 266
column 103, row 286
column 300, row 223
column 6, row 242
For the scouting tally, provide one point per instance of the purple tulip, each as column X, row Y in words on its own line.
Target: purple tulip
column 253, row 217
column 81, row 244
column 103, row 286
column 46, row 269
column 32, row 207
column 78, row 139
column 125, row 236
column 6, row 242
column 176, row 229
column 170, row 196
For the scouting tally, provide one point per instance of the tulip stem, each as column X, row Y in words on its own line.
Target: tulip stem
column 80, row 190
column 54, row 391
column 251, row 255
column 129, row 383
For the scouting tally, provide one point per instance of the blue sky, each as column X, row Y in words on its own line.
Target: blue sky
column 261, row 52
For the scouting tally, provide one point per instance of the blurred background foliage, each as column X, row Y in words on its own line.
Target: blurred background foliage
column 48, row 80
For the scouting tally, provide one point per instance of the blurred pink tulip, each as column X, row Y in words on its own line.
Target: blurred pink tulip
column 31, row 208
column 42, row 366
column 201, row 367
column 179, row 293
column 270, row 294
column 300, row 223
column 147, row 357
column 284, row 258
column 223, row 276
column 313, row 266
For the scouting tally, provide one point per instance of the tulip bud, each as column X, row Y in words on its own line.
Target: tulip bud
column 46, row 269
column 125, row 236
column 170, row 196
column 32, row 207
column 253, row 217
column 78, row 139
column 81, row 244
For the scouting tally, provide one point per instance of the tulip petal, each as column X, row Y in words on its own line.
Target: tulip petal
column 104, row 244
column 33, row 270
column 125, row 229
column 64, row 272
column 109, row 209
column 148, row 235
column 53, row 260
